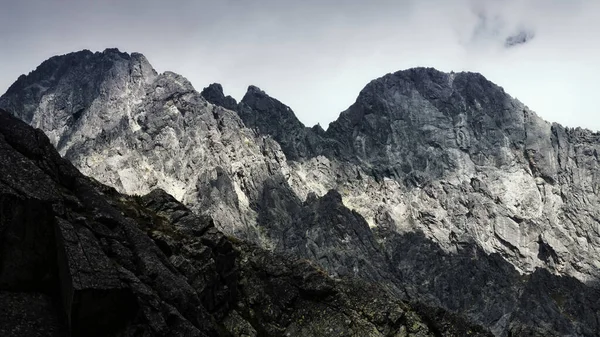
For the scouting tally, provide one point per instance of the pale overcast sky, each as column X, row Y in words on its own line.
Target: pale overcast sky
column 315, row 56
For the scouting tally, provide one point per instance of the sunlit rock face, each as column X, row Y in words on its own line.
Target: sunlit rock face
column 138, row 130
column 78, row 95
column 444, row 163
column 79, row 259
column 455, row 156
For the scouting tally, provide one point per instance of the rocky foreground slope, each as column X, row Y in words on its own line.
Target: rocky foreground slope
column 77, row 257
column 440, row 186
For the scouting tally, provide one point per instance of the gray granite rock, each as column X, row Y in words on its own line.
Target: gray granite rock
column 79, row 259
column 449, row 156
column 214, row 94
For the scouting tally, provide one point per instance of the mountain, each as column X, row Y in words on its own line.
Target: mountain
column 78, row 258
column 440, row 187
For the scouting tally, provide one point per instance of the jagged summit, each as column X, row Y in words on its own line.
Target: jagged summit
column 214, row 94
column 269, row 116
column 448, row 98
column 254, row 90
column 79, row 94
column 170, row 82
column 265, row 108
column 73, row 59
column 432, row 85
column 409, row 119
column 428, row 170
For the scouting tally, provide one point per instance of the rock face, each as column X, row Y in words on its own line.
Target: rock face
column 152, row 131
column 439, row 186
column 63, row 237
column 214, row 94
column 78, row 258
column 105, row 83
column 271, row 117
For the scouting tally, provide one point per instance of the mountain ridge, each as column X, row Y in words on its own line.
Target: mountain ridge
column 449, row 156
column 79, row 259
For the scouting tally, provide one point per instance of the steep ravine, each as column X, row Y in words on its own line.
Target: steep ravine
column 439, row 186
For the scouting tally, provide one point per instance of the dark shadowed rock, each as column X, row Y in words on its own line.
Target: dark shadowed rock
column 29, row 314
column 271, row 117
column 285, row 298
column 78, row 258
column 495, row 293
column 214, row 94
column 72, row 242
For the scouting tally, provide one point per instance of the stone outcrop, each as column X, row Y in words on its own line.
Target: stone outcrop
column 169, row 137
column 271, row 117
column 105, row 274
column 214, row 94
column 429, row 182
column 105, row 83
column 455, row 156
column 78, row 258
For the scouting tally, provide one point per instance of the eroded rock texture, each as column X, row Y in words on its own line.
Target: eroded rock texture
column 78, row 258
column 440, row 186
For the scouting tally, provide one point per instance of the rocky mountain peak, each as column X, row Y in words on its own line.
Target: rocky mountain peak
column 254, row 90
column 423, row 122
column 115, row 52
column 214, row 94
column 426, row 170
column 74, row 92
column 268, row 109
column 43, row 73
column 168, row 84
column 418, row 99
column 269, row 116
column 446, row 91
